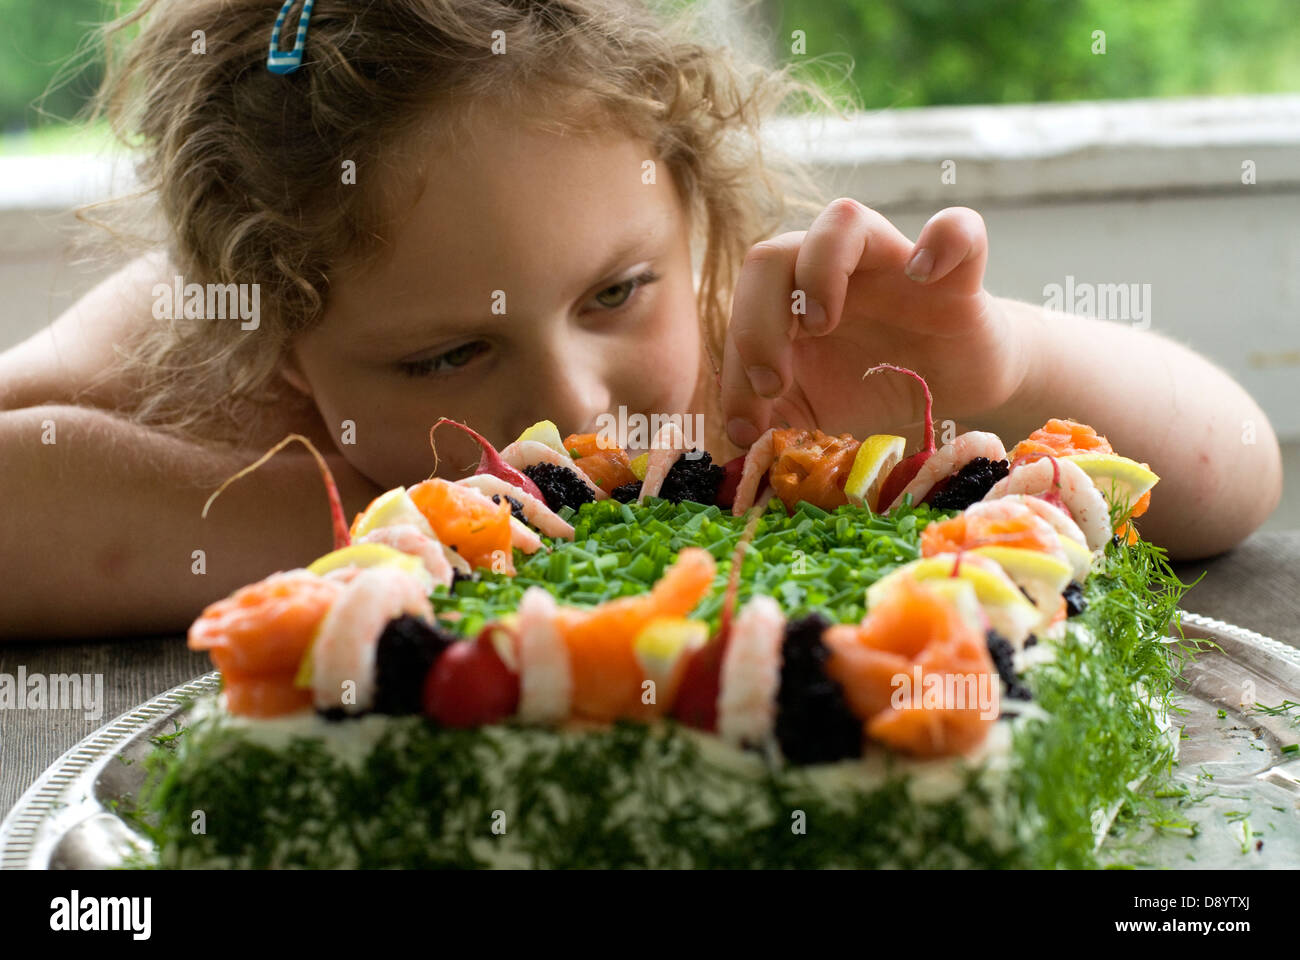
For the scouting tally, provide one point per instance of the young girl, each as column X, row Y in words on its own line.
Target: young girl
column 501, row 212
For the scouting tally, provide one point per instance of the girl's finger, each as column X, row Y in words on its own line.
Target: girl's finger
column 954, row 244
column 762, row 325
column 746, row 414
column 846, row 238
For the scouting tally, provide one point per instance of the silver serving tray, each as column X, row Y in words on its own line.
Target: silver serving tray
column 1242, row 787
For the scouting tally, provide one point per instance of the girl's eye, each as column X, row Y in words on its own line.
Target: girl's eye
column 450, row 360
column 613, row 297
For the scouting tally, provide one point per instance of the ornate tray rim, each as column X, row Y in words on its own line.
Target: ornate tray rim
column 72, row 775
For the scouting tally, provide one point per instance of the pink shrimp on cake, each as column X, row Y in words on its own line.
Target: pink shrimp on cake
column 1055, row 478
column 949, row 459
column 666, row 448
column 525, row 453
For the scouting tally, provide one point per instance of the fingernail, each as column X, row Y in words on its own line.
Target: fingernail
column 764, row 380
column 919, row 267
column 741, row 431
column 814, row 318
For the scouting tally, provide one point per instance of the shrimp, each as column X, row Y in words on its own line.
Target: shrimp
column 1048, row 475
column 666, row 448
column 524, row 537
column 409, row 538
column 751, row 674
column 949, row 459
column 545, row 676
column 343, row 656
column 758, row 461
column 535, row 511
column 524, row 453
column 986, row 523
column 1058, row 519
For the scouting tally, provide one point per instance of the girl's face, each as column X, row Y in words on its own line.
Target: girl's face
column 534, row 276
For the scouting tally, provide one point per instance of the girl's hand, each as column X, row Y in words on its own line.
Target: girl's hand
column 872, row 296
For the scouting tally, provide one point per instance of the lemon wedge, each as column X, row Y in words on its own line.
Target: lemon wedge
column 544, row 431
column 390, row 509
column 367, row 555
column 1041, row 575
column 1120, row 480
column 661, row 649
column 638, row 465
column 1078, row 555
column 878, row 455
column 502, row 636
column 303, row 678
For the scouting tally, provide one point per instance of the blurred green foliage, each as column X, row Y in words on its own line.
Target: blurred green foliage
column 43, row 77
column 913, row 53
column 903, row 52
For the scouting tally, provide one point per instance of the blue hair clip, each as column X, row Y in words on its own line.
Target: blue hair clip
column 281, row 62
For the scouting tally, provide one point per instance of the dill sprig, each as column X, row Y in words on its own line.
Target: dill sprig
column 1108, row 698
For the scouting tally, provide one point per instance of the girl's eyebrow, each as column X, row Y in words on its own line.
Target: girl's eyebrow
column 647, row 238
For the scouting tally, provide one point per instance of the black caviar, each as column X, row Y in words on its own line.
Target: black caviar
column 969, row 485
column 627, row 493
column 693, row 477
column 560, row 486
column 1002, row 653
column 516, row 507
column 407, row 650
column 1074, row 602
column 813, row 723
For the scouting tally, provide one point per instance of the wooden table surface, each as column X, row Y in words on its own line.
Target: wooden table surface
column 1256, row 586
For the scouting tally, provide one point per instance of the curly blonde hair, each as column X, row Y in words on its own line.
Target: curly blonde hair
column 244, row 166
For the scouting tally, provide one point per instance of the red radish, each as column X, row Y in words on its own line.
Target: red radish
column 732, row 470
column 696, row 704
column 908, row 467
column 470, row 685
column 341, row 536
column 490, row 462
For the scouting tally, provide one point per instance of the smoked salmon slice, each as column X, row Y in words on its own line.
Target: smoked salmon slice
column 914, row 633
column 258, row 636
column 606, row 674
column 811, row 465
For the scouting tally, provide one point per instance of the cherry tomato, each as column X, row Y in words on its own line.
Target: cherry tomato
column 470, row 686
column 696, row 704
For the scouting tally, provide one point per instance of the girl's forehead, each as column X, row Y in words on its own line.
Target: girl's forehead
column 525, row 207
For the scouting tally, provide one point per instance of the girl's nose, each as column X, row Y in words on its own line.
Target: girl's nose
column 568, row 392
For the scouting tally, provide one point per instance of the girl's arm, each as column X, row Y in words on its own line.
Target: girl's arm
column 73, row 360
column 1157, row 402
column 101, row 527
